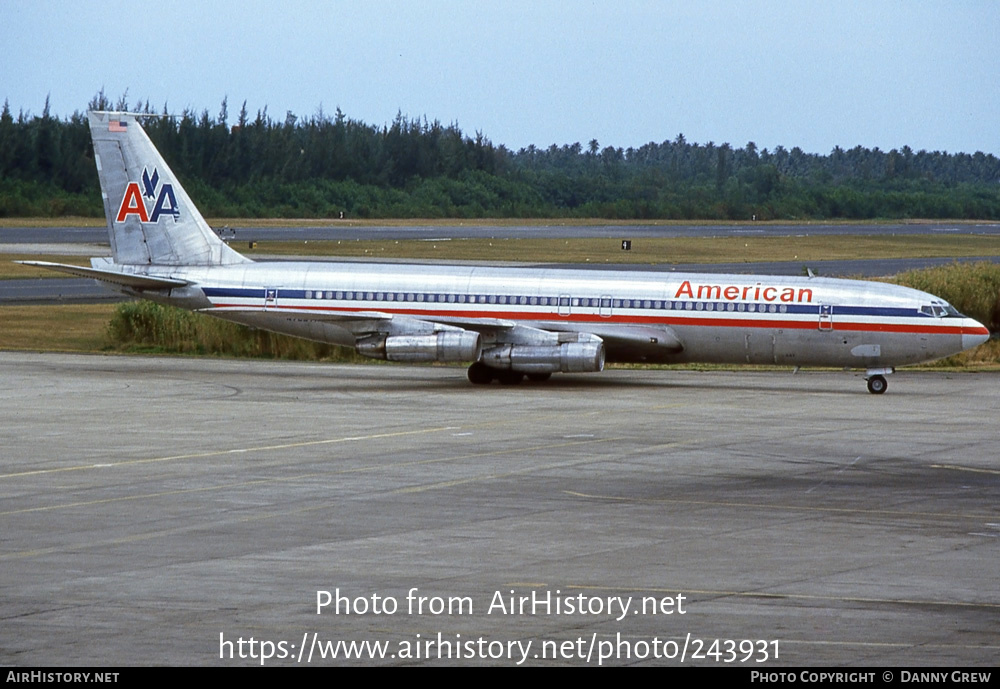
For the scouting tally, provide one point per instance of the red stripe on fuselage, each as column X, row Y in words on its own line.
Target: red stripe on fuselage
column 726, row 322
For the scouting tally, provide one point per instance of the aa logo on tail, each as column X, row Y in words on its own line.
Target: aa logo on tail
column 134, row 204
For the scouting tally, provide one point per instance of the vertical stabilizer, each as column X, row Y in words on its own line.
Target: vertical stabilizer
column 151, row 219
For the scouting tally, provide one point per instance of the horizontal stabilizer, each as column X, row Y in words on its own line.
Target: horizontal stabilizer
column 140, row 282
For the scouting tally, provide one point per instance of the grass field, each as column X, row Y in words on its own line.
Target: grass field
column 664, row 250
column 659, row 250
column 64, row 328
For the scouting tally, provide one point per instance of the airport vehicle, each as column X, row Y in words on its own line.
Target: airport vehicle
column 507, row 322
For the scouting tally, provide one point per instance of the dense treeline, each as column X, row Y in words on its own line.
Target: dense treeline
column 257, row 166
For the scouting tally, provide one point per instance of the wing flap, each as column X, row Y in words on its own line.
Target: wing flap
column 324, row 316
column 474, row 323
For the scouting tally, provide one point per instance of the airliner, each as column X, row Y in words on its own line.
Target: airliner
column 508, row 323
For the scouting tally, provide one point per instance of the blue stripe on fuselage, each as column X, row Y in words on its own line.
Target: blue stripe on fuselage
column 619, row 304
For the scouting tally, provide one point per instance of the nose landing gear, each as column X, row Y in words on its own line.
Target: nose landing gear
column 877, row 385
column 876, row 379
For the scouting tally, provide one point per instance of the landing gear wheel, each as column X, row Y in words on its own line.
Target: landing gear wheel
column 539, row 377
column 877, row 385
column 481, row 374
column 510, row 377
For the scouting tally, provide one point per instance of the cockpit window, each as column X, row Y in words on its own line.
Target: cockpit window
column 943, row 310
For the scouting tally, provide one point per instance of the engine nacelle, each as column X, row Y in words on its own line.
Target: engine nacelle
column 445, row 346
column 569, row 357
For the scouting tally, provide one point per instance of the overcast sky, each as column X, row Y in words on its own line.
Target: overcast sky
column 788, row 72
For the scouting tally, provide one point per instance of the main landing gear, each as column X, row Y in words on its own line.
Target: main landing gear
column 876, row 380
column 481, row 374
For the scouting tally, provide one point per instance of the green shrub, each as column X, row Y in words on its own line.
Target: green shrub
column 149, row 327
column 972, row 288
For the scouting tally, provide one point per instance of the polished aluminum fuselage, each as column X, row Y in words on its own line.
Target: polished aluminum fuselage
column 798, row 321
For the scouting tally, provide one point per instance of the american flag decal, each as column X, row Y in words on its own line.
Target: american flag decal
column 117, row 126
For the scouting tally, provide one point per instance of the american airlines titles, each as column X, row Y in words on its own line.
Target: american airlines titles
column 756, row 292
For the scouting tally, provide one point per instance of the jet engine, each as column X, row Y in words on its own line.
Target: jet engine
column 445, row 346
column 569, row 357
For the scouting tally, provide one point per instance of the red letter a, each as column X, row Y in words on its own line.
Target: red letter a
column 132, row 203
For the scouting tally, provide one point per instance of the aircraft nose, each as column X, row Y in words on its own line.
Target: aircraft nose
column 974, row 336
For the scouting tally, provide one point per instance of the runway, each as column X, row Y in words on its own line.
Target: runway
column 156, row 511
column 344, row 231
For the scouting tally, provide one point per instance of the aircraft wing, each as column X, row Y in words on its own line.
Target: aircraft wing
column 622, row 341
column 366, row 322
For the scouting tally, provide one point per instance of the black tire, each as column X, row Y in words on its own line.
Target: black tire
column 539, row 377
column 877, row 385
column 510, row 377
column 481, row 374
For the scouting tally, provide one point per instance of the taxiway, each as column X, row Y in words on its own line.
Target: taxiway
column 155, row 508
